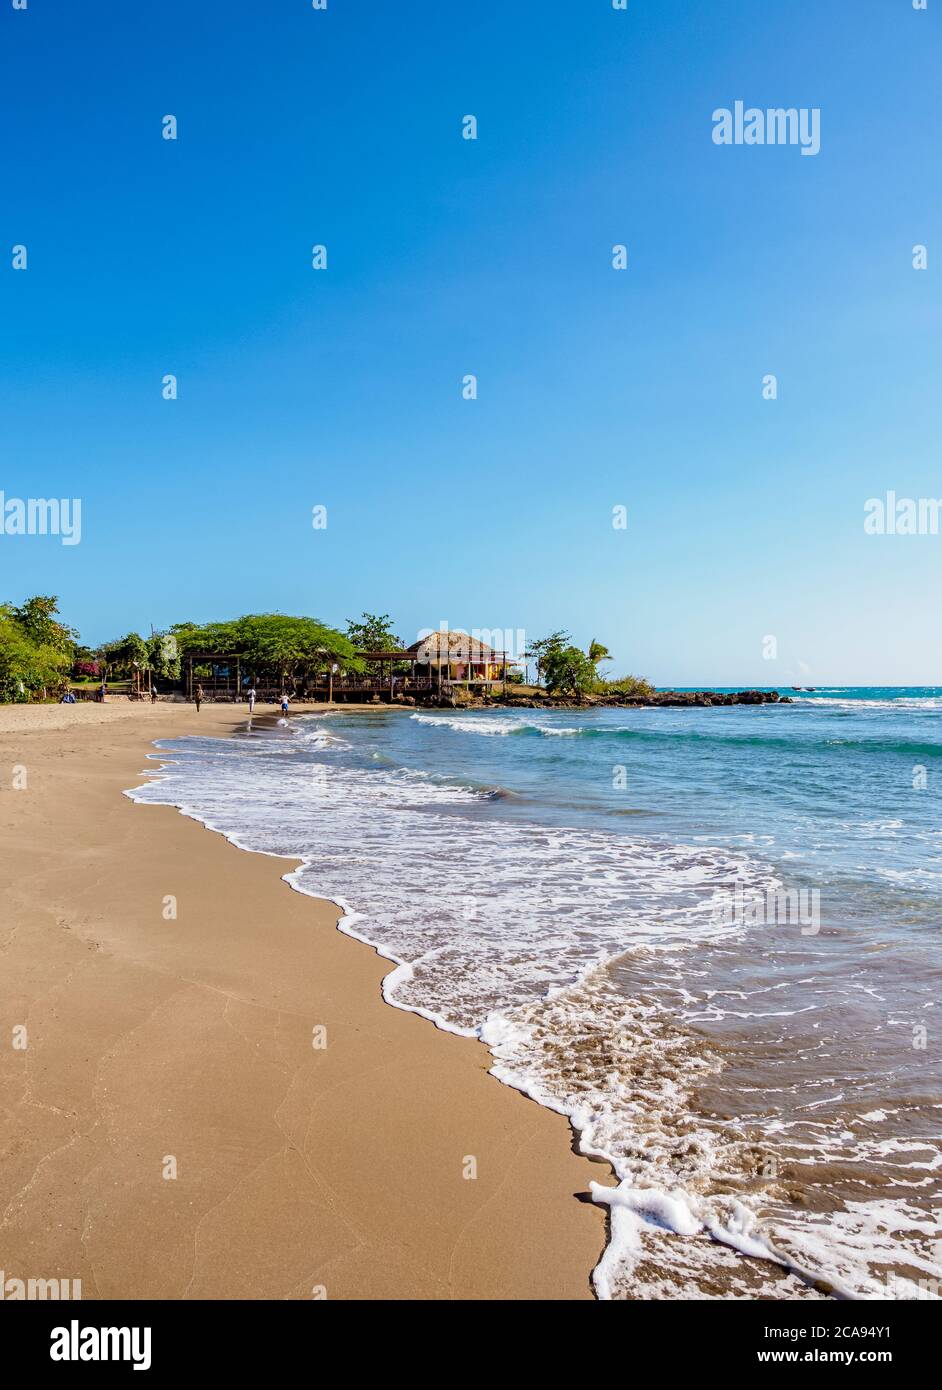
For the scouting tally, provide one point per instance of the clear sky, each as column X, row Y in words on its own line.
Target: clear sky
column 597, row 388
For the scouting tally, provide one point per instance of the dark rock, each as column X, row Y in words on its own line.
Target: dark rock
column 671, row 699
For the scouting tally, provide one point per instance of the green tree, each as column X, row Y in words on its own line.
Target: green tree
column 271, row 644
column 39, row 622
column 373, row 633
column 544, row 647
column 569, row 669
column 163, row 656
column 35, row 650
column 122, row 655
column 598, row 652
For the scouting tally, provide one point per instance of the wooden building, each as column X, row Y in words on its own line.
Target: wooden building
column 457, row 658
column 429, row 669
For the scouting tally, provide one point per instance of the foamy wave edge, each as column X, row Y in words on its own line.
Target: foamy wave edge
column 629, row 1208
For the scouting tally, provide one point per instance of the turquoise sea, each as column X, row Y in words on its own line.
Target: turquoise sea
column 710, row 937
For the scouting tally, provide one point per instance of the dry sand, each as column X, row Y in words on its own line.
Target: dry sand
column 190, row 1040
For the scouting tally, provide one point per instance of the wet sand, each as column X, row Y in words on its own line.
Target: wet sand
column 171, row 988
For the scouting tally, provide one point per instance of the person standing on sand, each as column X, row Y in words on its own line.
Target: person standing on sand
column 198, row 697
column 153, row 694
column 251, row 698
column 284, row 704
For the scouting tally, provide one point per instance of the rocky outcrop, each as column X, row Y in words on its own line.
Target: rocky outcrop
column 670, row 698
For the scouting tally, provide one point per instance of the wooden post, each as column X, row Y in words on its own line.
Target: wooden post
column 330, row 684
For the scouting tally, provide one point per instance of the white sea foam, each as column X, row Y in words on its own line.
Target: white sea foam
column 492, row 725
column 899, row 702
column 511, row 932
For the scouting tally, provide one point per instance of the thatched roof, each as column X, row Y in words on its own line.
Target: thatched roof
column 452, row 646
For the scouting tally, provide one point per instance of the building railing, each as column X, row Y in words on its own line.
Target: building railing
column 221, row 691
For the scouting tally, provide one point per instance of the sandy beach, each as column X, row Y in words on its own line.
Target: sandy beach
column 171, row 988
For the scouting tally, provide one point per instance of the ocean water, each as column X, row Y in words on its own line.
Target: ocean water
column 710, row 937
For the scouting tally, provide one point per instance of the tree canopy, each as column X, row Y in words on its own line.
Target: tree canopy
column 38, row 620
column 270, row 642
column 373, row 632
column 163, row 655
column 124, row 653
column 562, row 666
column 568, row 668
column 35, row 649
column 158, row 653
column 543, row 647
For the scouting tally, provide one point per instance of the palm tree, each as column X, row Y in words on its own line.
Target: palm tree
column 598, row 652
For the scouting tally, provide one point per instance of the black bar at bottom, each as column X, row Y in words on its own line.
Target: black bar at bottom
column 266, row 1338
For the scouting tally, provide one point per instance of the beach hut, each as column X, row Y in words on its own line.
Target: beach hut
column 457, row 657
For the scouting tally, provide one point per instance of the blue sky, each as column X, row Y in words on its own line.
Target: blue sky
column 597, row 388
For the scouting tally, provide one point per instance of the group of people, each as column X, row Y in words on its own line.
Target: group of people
column 68, row 697
column 251, row 696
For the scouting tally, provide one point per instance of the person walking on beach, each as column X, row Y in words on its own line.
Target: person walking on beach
column 251, row 698
column 284, row 704
column 198, row 697
column 153, row 694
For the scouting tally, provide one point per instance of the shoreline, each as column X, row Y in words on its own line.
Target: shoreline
column 190, row 1040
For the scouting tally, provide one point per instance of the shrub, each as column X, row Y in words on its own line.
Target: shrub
column 627, row 685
